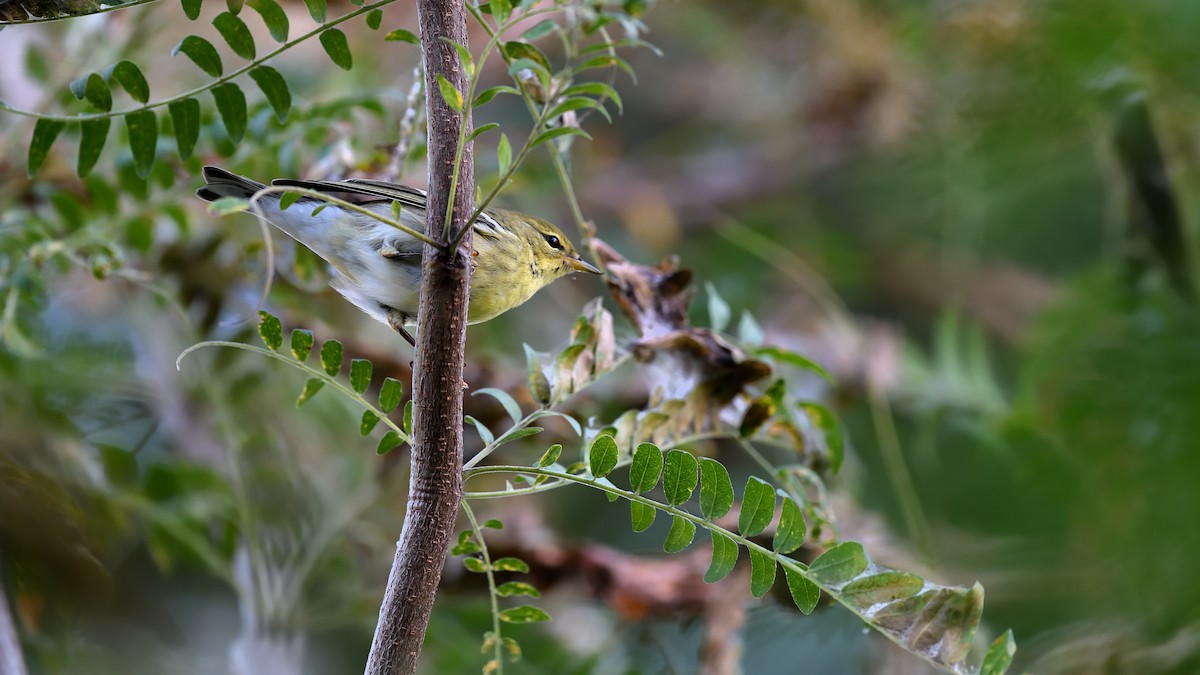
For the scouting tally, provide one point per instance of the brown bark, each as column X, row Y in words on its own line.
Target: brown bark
column 436, row 484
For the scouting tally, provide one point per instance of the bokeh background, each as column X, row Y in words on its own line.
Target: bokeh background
column 979, row 215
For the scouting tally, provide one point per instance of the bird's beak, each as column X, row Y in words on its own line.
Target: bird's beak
column 583, row 266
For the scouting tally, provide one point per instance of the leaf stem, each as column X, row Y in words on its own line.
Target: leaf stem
column 788, row 563
column 498, row 649
column 4, row 107
column 313, row 372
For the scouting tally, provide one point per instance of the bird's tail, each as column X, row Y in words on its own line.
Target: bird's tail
column 221, row 183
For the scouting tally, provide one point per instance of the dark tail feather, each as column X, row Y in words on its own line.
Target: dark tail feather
column 221, row 183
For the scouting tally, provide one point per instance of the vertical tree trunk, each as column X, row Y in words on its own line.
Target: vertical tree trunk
column 436, row 484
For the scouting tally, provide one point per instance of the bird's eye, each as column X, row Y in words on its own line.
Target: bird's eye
column 554, row 242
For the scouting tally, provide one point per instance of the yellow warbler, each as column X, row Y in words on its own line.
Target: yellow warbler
column 378, row 267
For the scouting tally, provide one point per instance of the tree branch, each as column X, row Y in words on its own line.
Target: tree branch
column 436, row 484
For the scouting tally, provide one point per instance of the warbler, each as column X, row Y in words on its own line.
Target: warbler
column 378, row 267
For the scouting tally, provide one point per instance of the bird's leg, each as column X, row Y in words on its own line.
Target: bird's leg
column 396, row 319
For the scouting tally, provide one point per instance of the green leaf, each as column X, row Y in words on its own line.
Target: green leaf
column 575, row 103
column 388, row 443
column 501, row 9
column 679, row 476
column 302, row 343
column 828, row 424
column 600, row 89
column 231, row 105
column 191, row 8
column 510, row 565
column 724, row 557
column 407, row 417
column 504, row 154
column 94, row 89
column 762, row 573
column 524, row 614
column 839, row 564
column 758, row 507
column 273, row 16
column 641, row 515
column 275, row 88
column 681, row 535
column 236, row 34
column 450, row 93
column 793, row 359
column 485, row 434
column 202, row 53
column 336, row 46
column 270, row 330
column 805, row 593
column 93, row 134
column 360, row 375
column 494, row 524
column 550, row 456
column 559, row 132
column 464, row 55
column 602, row 458
column 505, row 399
column 131, row 79
column 792, row 529
column 401, row 35
column 311, row 387
column 369, row 420
column 716, row 490
column 374, row 19
column 316, row 9
column 646, row 468
column 390, row 394
column 142, row 127
column 718, row 309
column 44, row 133
column 185, row 121
column 523, row 51
column 884, row 587
column 331, row 357
column 606, row 61
column 481, row 130
column 511, row 588
column 474, row 565
column 540, row 29
column 516, row 434
column 491, row 93
column 1000, row 655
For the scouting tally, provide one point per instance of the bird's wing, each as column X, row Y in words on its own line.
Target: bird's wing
column 360, row 191
column 366, row 191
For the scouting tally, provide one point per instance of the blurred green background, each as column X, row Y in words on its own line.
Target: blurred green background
column 979, row 215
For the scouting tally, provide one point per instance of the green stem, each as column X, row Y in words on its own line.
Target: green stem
column 493, row 41
column 545, row 487
column 313, row 372
column 787, row 563
column 498, row 649
column 211, row 85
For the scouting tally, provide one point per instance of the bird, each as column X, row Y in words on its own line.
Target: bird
column 377, row 267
